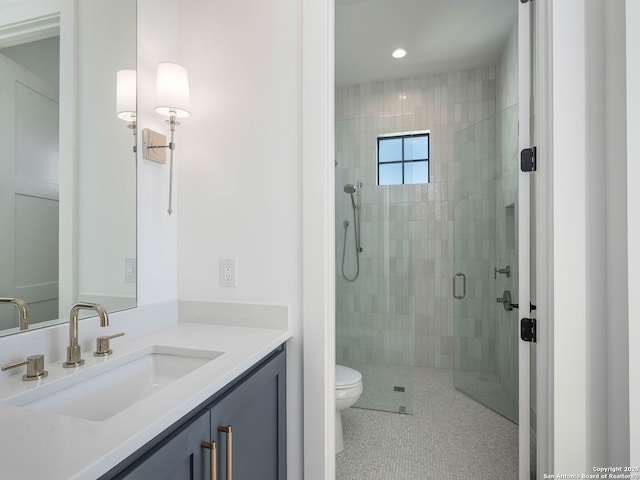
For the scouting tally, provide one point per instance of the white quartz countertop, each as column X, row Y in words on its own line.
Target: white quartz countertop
column 38, row 445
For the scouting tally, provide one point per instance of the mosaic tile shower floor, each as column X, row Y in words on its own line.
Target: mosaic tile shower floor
column 380, row 383
column 449, row 436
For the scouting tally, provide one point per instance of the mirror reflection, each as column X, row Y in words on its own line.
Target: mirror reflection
column 106, row 162
column 68, row 189
column 29, row 185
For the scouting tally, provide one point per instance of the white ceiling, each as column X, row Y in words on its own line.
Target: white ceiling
column 440, row 35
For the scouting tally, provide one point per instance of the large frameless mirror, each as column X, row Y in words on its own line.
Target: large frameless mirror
column 68, row 183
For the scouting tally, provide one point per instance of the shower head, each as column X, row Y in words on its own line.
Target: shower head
column 350, row 189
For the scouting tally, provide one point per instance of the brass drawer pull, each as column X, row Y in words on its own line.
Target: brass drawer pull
column 227, row 430
column 211, row 446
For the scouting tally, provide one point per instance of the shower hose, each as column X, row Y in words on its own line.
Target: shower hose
column 344, row 250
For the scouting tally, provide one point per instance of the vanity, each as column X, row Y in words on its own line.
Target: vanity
column 240, row 430
column 232, row 395
column 246, row 425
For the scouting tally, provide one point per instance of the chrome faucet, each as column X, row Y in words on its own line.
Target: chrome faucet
column 74, row 357
column 22, row 311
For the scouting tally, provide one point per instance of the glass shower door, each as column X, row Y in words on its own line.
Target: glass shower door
column 374, row 314
column 485, row 283
column 374, row 287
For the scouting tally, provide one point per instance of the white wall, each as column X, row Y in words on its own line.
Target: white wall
column 239, row 165
column 570, row 230
column 617, row 214
column 595, row 239
column 42, row 57
column 15, row 11
column 591, row 355
column 157, row 231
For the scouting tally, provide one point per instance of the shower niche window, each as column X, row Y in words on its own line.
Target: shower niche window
column 403, row 158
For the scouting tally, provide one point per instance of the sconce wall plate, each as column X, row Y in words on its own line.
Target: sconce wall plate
column 151, row 139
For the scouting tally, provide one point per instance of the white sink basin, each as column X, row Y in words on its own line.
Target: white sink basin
column 100, row 392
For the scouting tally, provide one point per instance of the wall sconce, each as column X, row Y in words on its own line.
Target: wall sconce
column 172, row 100
column 126, row 99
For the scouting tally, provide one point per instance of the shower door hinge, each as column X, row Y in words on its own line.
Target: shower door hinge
column 528, row 159
column 528, row 329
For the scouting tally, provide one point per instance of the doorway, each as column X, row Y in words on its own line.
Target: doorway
column 425, row 300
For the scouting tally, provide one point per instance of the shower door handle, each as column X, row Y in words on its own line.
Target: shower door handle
column 464, row 285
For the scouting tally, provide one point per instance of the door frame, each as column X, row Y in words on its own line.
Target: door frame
column 318, row 239
column 524, row 237
column 542, row 237
column 633, row 200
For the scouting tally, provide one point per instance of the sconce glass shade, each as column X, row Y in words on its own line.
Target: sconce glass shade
column 172, row 90
column 126, row 95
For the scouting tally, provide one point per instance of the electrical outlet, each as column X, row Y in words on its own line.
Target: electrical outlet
column 229, row 272
column 130, row 270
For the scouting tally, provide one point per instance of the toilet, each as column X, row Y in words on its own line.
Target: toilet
column 348, row 391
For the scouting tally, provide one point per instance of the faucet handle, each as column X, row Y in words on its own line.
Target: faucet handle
column 102, row 345
column 35, row 367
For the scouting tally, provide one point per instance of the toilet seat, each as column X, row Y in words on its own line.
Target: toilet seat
column 347, row 378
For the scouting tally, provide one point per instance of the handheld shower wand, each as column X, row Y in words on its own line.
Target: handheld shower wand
column 351, row 189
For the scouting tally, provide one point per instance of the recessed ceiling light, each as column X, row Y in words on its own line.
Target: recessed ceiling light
column 398, row 53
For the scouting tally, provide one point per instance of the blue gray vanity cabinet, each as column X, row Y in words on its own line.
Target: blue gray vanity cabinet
column 255, row 412
column 178, row 457
column 254, row 406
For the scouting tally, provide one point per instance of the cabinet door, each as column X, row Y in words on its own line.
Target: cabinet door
column 181, row 457
column 256, row 412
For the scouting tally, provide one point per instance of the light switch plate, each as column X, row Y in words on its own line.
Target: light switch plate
column 150, row 139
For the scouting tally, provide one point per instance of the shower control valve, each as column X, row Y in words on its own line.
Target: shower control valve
column 506, row 301
column 506, row 271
